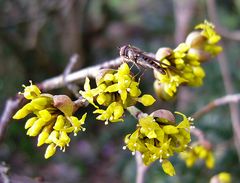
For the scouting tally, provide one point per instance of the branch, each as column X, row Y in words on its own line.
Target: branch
column 235, row 98
column 71, row 87
column 13, row 104
column 11, row 107
column 141, row 168
column 3, row 173
column 234, row 109
column 135, row 112
column 212, row 11
column 78, row 76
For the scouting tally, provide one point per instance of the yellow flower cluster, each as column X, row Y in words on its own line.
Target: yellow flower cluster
column 222, row 177
column 199, row 46
column 157, row 138
column 197, row 152
column 116, row 90
column 53, row 119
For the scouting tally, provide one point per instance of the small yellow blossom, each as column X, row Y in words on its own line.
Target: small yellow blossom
column 222, row 177
column 197, row 152
column 116, row 90
column 186, row 58
column 157, row 138
column 53, row 120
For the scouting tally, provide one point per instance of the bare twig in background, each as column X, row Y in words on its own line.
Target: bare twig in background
column 135, row 112
column 72, row 87
column 78, row 76
column 183, row 11
column 11, row 106
column 212, row 11
column 235, row 98
column 201, row 138
column 234, row 109
column 141, row 168
column 3, row 174
column 198, row 133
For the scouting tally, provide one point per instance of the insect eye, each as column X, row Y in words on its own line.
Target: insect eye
column 130, row 55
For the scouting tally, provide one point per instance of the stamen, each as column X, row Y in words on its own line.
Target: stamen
column 192, row 127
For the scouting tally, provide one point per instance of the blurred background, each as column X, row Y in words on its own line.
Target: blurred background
column 37, row 38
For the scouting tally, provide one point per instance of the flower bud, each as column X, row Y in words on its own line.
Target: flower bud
column 198, row 72
column 101, row 98
column 100, row 76
column 198, row 54
column 64, row 104
column 45, row 115
column 40, row 103
column 53, row 137
column 163, row 53
column 124, row 69
column 164, row 116
column 222, row 177
column 63, row 139
column 51, row 150
column 31, row 92
column 118, row 111
column 108, row 77
column 30, row 122
column 36, row 127
column 59, row 123
column 195, row 39
column 160, row 92
column 42, row 137
column 22, row 113
column 75, row 122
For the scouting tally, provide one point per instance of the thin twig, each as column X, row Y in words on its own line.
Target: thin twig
column 212, row 11
column 235, row 98
column 201, row 138
column 234, row 109
column 135, row 112
column 183, row 13
column 3, row 173
column 78, row 76
column 141, row 168
column 11, row 106
column 71, row 86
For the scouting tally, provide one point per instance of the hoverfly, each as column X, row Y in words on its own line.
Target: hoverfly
column 137, row 56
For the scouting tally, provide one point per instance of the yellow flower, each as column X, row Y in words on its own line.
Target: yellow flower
column 115, row 91
column 197, row 152
column 31, row 92
column 186, row 58
column 158, row 138
column 53, row 120
column 222, row 177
